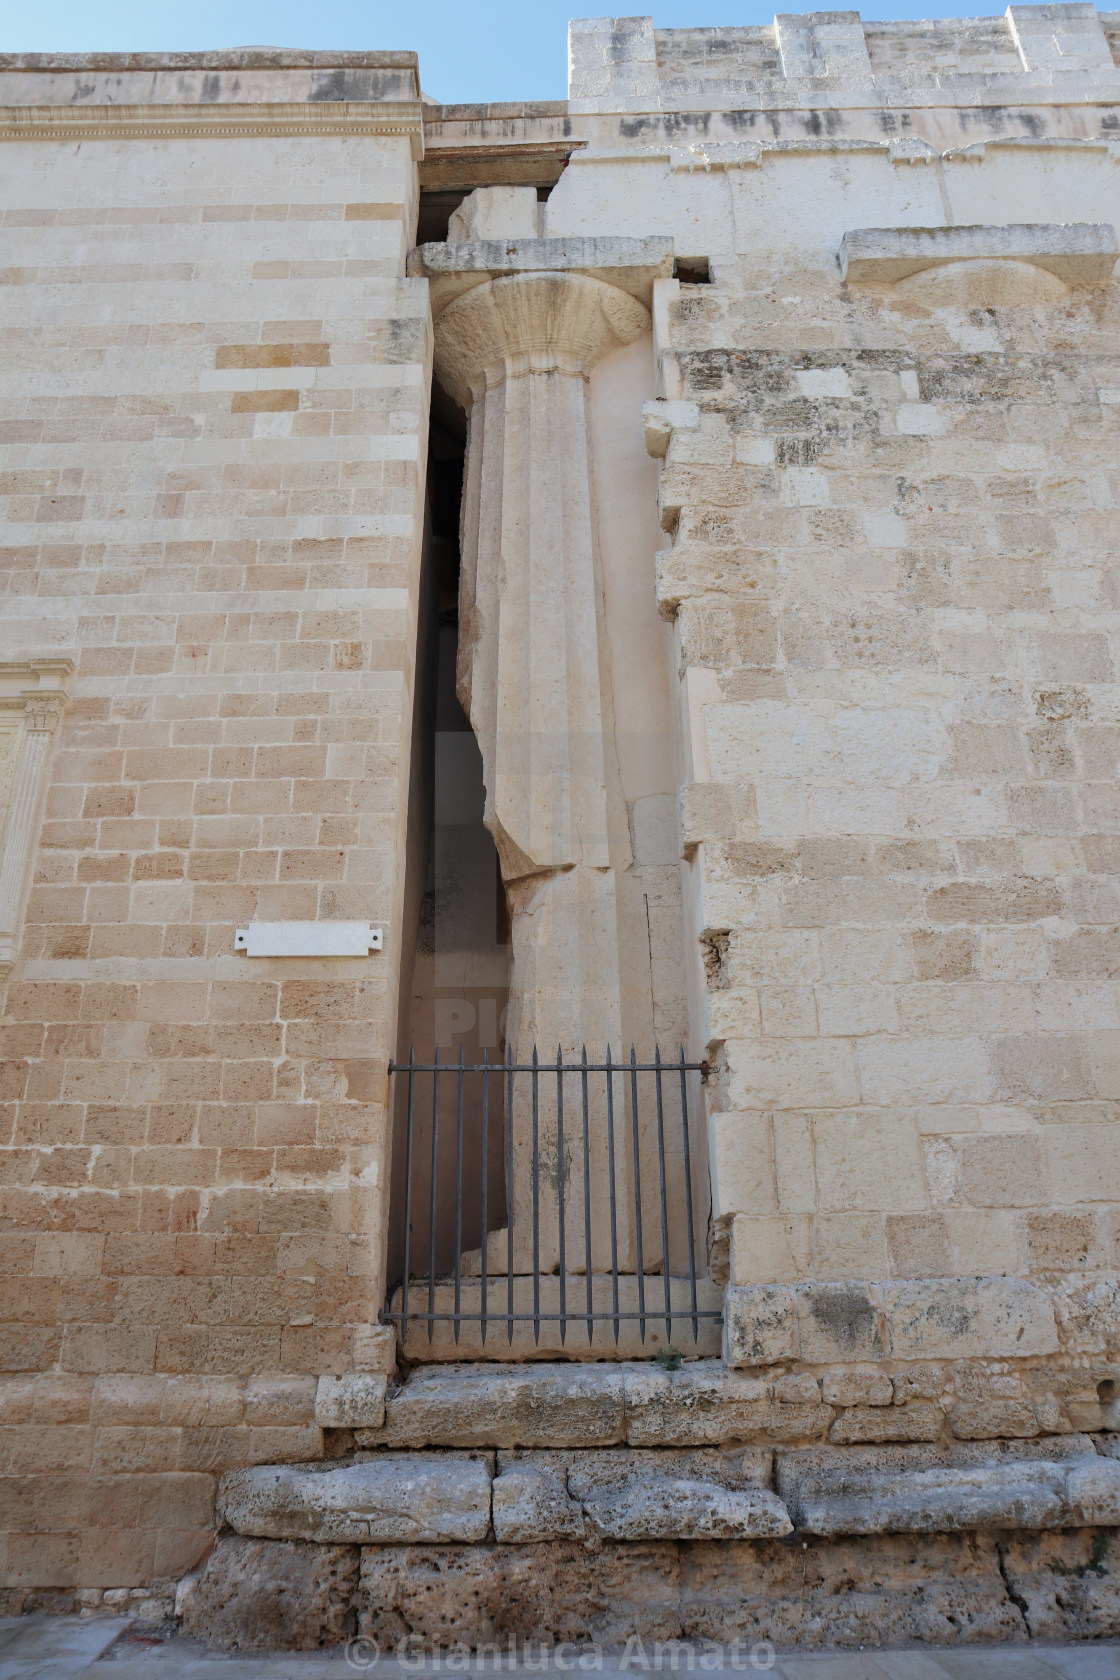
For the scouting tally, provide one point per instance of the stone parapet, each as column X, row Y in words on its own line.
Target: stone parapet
column 1058, row 52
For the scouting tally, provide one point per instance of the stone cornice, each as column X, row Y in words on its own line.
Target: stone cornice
column 219, row 121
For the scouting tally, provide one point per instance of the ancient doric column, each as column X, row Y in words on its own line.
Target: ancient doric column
column 515, row 350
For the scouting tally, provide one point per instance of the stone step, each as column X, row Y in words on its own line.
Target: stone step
column 593, row 1405
column 634, row 1494
column 444, row 1498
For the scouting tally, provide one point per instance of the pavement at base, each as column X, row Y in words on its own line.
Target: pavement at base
column 112, row 1648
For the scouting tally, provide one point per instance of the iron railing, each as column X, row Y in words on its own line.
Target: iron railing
column 575, row 1182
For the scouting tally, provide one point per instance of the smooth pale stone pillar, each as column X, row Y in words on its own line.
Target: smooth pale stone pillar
column 534, row 678
column 18, row 828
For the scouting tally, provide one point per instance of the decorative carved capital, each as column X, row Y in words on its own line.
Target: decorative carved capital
column 540, row 322
column 42, row 710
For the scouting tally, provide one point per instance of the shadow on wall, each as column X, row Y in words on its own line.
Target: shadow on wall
column 457, row 995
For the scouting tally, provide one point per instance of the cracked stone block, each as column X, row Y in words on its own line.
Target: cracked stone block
column 1067, row 1584
column 395, row 1497
column 919, row 1490
column 503, row 1406
column 487, row 1594
column 531, row 1502
column 640, row 1495
column 262, row 1595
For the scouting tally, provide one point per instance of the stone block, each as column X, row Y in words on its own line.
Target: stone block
column 677, row 1495
column 838, row 1323
column 660, row 419
column 759, row 1325
column 865, row 1593
column 260, row 1595
column 485, row 1595
column 356, row 1401
column 1079, row 253
column 918, row 1421
column 626, row 1494
column 1066, row 1584
column 527, row 1405
column 418, row 1497
column 962, row 1318
column 857, row 1388
column 530, row 1501
column 1088, row 1314
column 928, row 1489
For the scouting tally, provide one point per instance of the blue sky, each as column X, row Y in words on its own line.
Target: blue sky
column 493, row 49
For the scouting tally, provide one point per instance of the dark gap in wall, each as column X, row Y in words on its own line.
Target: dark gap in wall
column 692, row 271
column 457, row 973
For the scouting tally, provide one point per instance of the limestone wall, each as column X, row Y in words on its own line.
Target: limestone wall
column 214, row 416
column 891, row 518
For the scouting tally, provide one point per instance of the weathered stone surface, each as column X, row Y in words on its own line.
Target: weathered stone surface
column 940, row 1589
column 1081, row 254
column 676, row 1507
column 1088, row 1314
column 530, row 1501
column 628, row 1495
column 961, row 1318
column 394, row 1497
column 705, row 1404
column 1067, row 1584
column 503, row 1406
column 259, row 1595
column 919, row 1421
column 921, row 1319
column 351, row 1402
column 558, row 1591
column 914, row 1490
column 624, row 1494
column 935, row 1589
column 837, row 1323
column 759, row 1325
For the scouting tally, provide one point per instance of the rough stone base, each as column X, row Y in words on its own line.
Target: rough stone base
column 261, row 1595
column 1068, row 1584
column 878, row 1590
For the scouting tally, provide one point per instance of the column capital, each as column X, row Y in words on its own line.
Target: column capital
column 42, row 709
column 543, row 322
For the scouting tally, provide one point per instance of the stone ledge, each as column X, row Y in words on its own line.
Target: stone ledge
column 1079, row 253
column 630, row 264
column 1057, row 1483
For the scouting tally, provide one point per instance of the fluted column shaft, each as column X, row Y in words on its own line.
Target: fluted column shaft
column 533, row 668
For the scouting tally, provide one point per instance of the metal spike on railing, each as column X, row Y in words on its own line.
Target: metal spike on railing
column 560, row 1190
column 587, row 1267
column 458, row 1195
column 432, row 1199
column 485, row 1186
